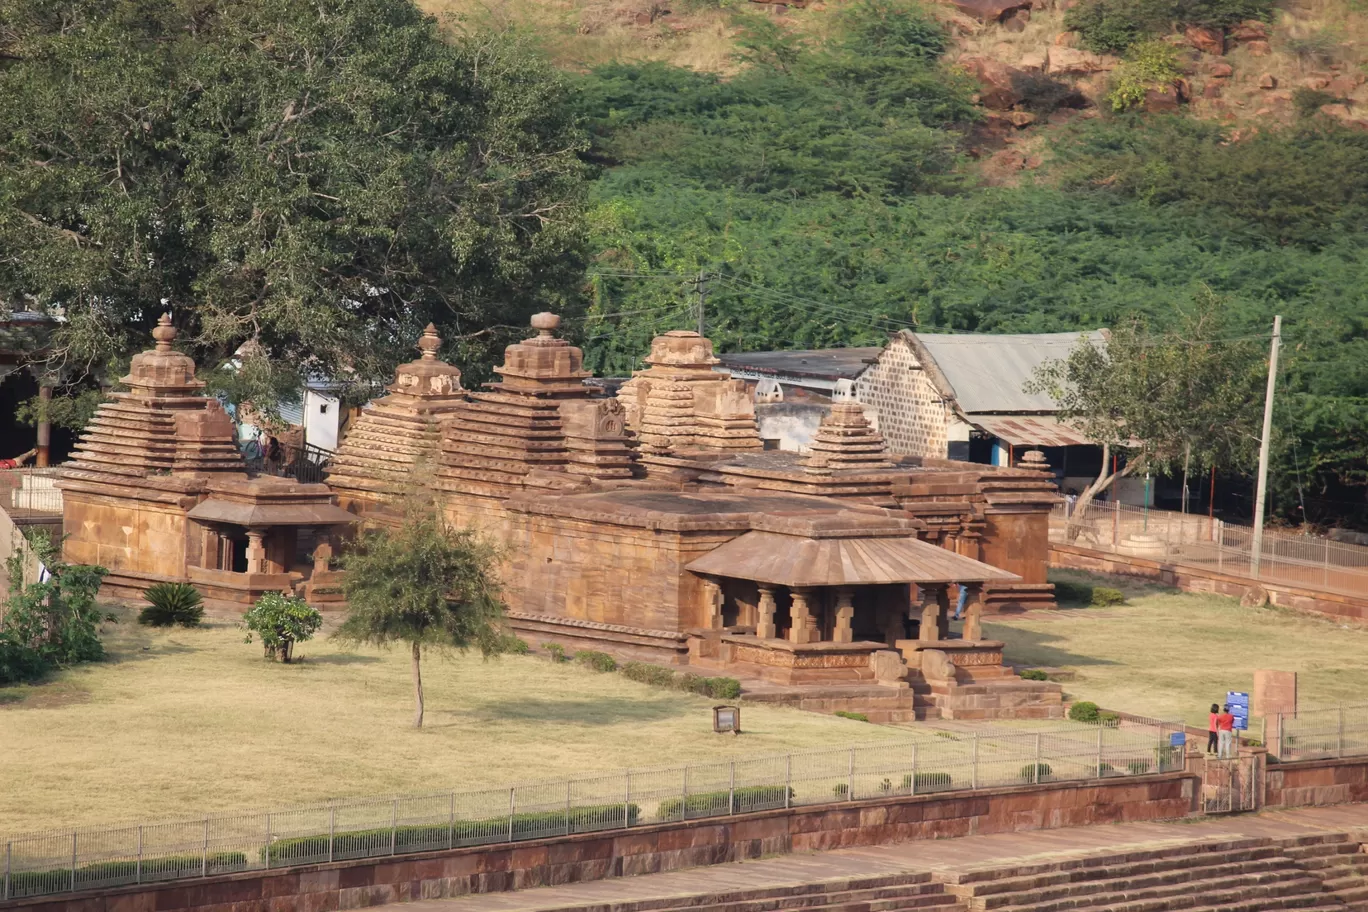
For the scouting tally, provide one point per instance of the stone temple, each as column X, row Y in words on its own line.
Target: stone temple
column 654, row 524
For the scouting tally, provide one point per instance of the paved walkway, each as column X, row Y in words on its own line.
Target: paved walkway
column 944, row 854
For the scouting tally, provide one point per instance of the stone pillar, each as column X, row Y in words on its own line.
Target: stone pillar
column 943, row 611
column 973, row 612
column 932, row 611
column 322, row 557
column 764, row 623
column 712, row 598
column 801, row 614
column 44, row 455
column 845, row 613
column 256, row 551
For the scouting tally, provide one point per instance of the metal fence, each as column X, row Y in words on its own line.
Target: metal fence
column 101, row 857
column 1321, row 734
column 1199, row 541
column 27, row 491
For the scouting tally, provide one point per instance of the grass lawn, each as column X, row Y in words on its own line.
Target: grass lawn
column 1171, row 654
column 187, row 721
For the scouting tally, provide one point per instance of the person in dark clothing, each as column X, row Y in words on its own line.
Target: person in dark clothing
column 1211, row 728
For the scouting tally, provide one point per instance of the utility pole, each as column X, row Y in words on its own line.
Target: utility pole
column 702, row 299
column 1262, row 490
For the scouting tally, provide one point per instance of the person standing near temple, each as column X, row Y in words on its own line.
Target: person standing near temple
column 1225, row 730
column 1212, row 727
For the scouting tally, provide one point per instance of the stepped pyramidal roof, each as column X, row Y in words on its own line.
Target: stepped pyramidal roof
column 163, row 425
column 400, row 431
column 845, row 441
column 538, row 426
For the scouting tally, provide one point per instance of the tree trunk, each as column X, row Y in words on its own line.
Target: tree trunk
column 1102, row 483
column 417, row 686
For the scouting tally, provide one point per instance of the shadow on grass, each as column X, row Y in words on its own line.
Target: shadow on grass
column 1033, row 647
column 580, row 711
column 338, row 658
column 1130, row 586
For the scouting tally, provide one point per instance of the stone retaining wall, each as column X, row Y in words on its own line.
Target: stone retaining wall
column 1192, row 579
column 1316, row 783
column 356, row 884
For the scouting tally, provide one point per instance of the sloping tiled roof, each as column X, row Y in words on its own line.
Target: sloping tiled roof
column 791, row 560
column 987, row 372
column 820, row 364
column 1030, row 430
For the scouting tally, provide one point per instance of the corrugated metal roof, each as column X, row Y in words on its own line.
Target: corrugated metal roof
column 988, row 372
column 1029, row 430
column 789, row 560
column 822, row 363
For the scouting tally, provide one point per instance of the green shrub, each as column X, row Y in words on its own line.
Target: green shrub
column 1083, row 711
column 1109, row 719
column 1103, row 770
column 1034, row 674
column 1114, row 26
column 655, row 675
column 717, row 688
column 1138, row 766
column 1317, row 48
column 514, row 645
column 1148, row 65
column 172, row 603
column 281, row 621
column 704, row 804
column 1068, row 593
column 556, row 651
column 598, row 661
column 841, row 791
column 1307, row 102
column 49, row 625
column 1036, row 772
column 858, row 717
column 1103, row 596
column 162, row 867
column 464, row 832
column 928, row 782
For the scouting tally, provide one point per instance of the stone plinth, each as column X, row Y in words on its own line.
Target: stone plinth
column 961, row 653
column 785, row 662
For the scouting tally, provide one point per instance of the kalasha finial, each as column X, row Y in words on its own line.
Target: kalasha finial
column 1035, row 460
column 429, row 342
column 545, row 324
column 164, row 333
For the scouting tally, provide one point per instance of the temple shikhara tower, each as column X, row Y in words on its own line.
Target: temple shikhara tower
column 653, row 524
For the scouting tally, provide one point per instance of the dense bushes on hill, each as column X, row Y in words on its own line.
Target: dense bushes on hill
column 1112, row 26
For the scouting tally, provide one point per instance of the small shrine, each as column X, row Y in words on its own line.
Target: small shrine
column 157, row 491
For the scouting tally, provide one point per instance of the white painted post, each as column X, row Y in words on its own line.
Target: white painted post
column 567, row 807
column 332, row 829
column 1099, row 751
column 512, row 810
column 973, row 769
column 137, row 871
column 913, row 782
column 204, row 856
column 850, row 777
column 788, row 780
column 1282, row 739
column 627, row 799
column 731, row 790
column 451, row 821
column 1327, row 563
column 684, row 797
column 394, row 824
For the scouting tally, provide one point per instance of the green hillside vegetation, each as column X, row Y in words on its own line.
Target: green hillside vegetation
column 828, row 188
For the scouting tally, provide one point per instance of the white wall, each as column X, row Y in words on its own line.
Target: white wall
column 322, row 415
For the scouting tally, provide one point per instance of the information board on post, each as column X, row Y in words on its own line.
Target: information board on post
column 1238, row 701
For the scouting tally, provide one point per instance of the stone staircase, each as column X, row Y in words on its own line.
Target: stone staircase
column 1338, row 861
column 881, row 893
column 1227, row 875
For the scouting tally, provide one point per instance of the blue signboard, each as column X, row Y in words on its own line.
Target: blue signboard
column 1177, row 739
column 1238, row 701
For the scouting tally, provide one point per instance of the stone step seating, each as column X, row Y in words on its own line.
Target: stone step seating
column 1339, row 861
column 1225, row 875
column 881, row 893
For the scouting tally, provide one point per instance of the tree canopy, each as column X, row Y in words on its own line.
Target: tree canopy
column 321, row 179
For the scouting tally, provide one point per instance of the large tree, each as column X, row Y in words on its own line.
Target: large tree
column 320, row 178
column 423, row 584
column 1187, row 397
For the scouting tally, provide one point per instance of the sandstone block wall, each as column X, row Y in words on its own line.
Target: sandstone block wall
column 125, row 536
column 357, row 884
column 1316, row 783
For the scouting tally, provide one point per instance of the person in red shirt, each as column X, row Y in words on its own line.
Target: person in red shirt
column 1212, row 728
column 1225, row 730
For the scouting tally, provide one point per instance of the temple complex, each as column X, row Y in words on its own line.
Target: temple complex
column 157, row 491
column 652, row 524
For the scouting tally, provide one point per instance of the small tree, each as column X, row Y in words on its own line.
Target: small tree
column 281, row 621
column 1188, row 396
column 49, row 624
column 424, row 584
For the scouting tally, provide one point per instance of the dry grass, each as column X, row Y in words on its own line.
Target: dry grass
column 192, row 721
column 1171, row 654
